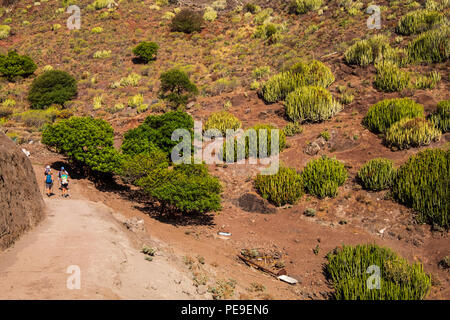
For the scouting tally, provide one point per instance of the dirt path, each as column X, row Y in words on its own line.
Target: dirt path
column 87, row 235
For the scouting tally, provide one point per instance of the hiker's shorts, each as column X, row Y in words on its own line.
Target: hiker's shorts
column 49, row 185
column 65, row 185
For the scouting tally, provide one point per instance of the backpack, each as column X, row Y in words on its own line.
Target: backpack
column 64, row 179
column 48, row 179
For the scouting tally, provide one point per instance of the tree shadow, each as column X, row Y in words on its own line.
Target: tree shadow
column 175, row 218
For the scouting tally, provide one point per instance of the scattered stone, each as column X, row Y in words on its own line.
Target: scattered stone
column 202, row 290
column 135, row 224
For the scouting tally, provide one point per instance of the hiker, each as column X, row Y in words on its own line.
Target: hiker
column 48, row 181
column 63, row 177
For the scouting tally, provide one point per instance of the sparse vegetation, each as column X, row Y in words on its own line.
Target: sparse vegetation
column 303, row 6
column 441, row 118
column 419, row 21
column 431, row 46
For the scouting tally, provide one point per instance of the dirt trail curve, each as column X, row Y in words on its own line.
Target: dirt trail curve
column 77, row 232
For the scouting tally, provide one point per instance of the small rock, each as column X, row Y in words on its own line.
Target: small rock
column 202, row 290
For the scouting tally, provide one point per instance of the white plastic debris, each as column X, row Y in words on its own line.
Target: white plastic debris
column 27, row 153
column 226, row 234
column 288, row 279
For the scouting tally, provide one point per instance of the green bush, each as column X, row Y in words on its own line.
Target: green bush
column 314, row 73
column 441, row 118
column 177, row 87
column 348, row 270
column 323, row 176
column 85, row 141
column 311, row 103
column 365, row 52
column 156, row 132
column 14, row 65
column 422, row 183
column 304, row 6
column 52, row 87
column 187, row 188
column 100, row 4
column 431, row 46
column 390, row 78
column 428, row 82
column 244, row 143
column 377, row 174
column 222, row 121
column 416, row 132
column 419, row 21
column 284, row 187
column 143, row 164
column 146, row 50
column 384, row 113
column 187, row 21
column 292, row 128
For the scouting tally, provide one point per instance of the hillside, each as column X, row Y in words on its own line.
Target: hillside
column 315, row 70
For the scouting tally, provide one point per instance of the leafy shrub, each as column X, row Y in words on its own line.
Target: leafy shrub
column 431, row 46
column 422, row 183
column 399, row 280
column 187, row 21
column 86, row 141
column 314, row 73
column 146, row 50
column 4, row 31
column 286, row 186
column 384, row 113
column 303, row 6
column 269, row 31
column 156, row 132
column 52, row 87
column 367, row 51
column 428, row 82
column 415, row 132
column 14, row 65
column 311, row 104
column 418, row 21
column 222, row 121
column 252, row 135
column 141, row 165
column 176, row 86
column 39, row 118
column 323, row 176
column 377, row 174
column 390, row 78
column 187, row 188
column 441, row 118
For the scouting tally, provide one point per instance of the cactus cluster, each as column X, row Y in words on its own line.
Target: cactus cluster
column 390, row 77
column 423, row 184
column 301, row 74
column 353, row 271
column 222, row 121
column 419, row 21
column 377, row 174
column 323, row 176
column 304, row 6
column 368, row 51
column 243, row 143
column 441, row 118
column 284, row 187
column 384, row 113
column 415, row 132
column 431, row 46
column 311, row 103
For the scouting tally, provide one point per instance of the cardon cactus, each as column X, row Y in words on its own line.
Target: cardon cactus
column 408, row 133
column 377, row 174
